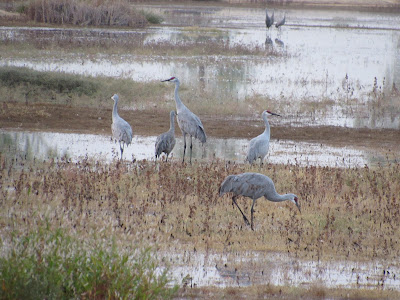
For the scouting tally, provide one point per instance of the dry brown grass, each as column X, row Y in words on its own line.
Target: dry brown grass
column 346, row 213
column 85, row 13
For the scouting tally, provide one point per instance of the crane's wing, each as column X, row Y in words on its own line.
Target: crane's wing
column 191, row 124
column 258, row 147
column 164, row 143
column 253, row 185
column 122, row 131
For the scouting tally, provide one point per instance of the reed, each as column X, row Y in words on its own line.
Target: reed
column 85, row 13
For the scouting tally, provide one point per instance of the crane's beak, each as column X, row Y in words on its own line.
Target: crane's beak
column 274, row 114
column 165, row 80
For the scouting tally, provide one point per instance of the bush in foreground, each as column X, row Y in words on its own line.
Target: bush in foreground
column 48, row 264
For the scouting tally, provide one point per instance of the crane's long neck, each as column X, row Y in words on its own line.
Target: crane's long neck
column 172, row 123
column 115, row 110
column 275, row 197
column 267, row 130
column 178, row 101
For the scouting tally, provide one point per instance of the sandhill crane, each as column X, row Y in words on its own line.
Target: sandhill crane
column 254, row 186
column 269, row 21
column 281, row 22
column 166, row 141
column 121, row 130
column 188, row 122
column 258, row 147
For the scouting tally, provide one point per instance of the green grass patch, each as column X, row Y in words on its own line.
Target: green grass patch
column 50, row 263
column 58, row 82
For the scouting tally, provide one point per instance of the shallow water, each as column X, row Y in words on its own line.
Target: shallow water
column 323, row 54
column 278, row 269
column 46, row 145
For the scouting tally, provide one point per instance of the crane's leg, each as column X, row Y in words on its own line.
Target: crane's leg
column 244, row 217
column 184, row 146
column 191, row 148
column 252, row 213
column 121, row 148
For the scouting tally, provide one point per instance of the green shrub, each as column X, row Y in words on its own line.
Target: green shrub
column 152, row 17
column 48, row 264
column 59, row 82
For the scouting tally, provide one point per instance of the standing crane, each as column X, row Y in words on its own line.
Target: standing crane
column 254, row 186
column 166, row 141
column 269, row 21
column 259, row 145
column 188, row 122
column 121, row 130
column 281, row 22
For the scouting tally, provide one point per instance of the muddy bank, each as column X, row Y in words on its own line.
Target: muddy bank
column 60, row 118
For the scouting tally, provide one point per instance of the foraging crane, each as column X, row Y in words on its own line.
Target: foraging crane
column 281, row 22
column 259, row 145
column 188, row 122
column 166, row 141
column 121, row 130
column 269, row 21
column 254, row 186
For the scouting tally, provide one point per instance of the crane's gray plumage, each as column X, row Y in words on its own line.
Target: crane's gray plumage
column 166, row 141
column 254, row 186
column 269, row 21
column 121, row 130
column 281, row 22
column 259, row 145
column 188, row 122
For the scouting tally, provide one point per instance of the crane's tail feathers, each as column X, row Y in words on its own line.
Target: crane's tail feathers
column 201, row 135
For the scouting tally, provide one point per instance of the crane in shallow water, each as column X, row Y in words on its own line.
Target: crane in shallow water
column 269, row 21
column 259, row 146
column 166, row 141
column 121, row 130
column 254, row 186
column 281, row 22
column 188, row 122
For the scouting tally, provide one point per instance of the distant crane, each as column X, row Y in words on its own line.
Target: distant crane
column 259, row 146
column 269, row 21
column 188, row 122
column 121, row 130
column 166, row 141
column 281, row 22
column 254, row 186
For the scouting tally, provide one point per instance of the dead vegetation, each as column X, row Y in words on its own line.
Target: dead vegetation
column 85, row 13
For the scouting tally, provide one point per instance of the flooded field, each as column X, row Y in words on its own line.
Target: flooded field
column 337, row 71
column 349, row 58
column 281, row 270
column 46, row 145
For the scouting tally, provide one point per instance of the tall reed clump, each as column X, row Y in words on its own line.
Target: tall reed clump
column 85, row 13
column 47, row 263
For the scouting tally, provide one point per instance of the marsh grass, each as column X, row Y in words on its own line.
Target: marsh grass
column 346, row 213
column 29, row 86
column 85, row 13
column 52, row 262
column 191, row 43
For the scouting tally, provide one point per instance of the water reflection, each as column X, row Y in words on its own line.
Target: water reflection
column 278, row 269
column 316, row 59
column 76, row 146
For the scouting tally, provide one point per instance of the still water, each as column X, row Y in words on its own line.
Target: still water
column 46, row 145
column 279, row 269
column 335, row 55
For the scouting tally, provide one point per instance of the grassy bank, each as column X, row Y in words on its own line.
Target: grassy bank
column 24, row 85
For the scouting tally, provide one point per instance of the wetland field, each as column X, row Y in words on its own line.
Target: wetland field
column 73, row 217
